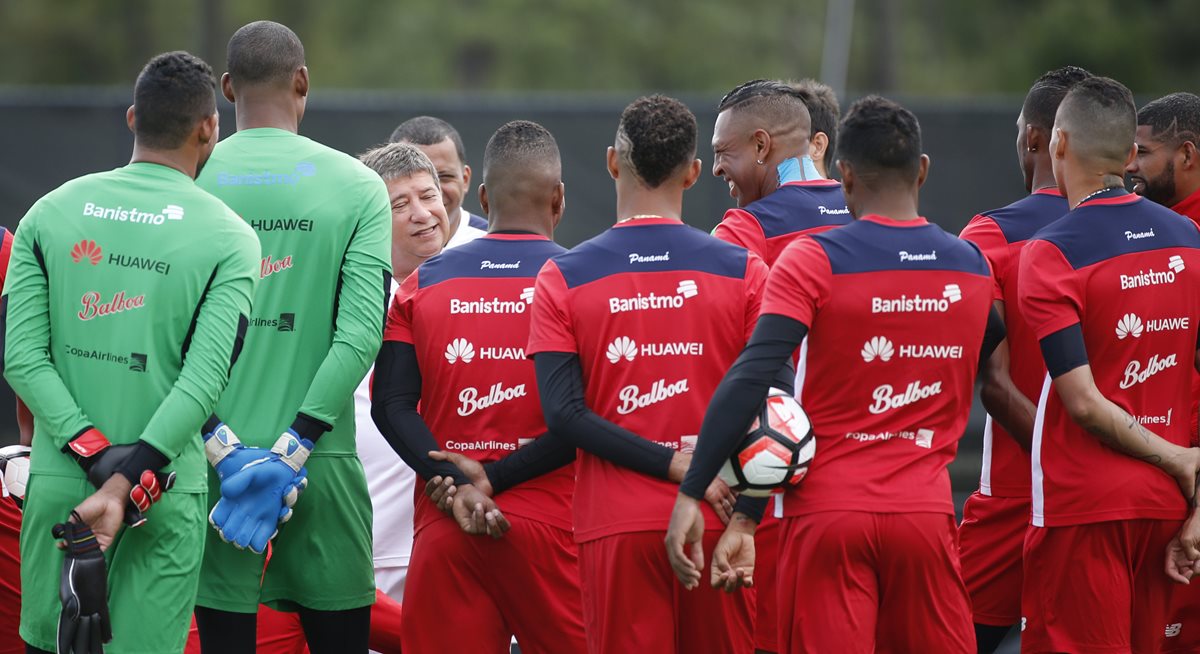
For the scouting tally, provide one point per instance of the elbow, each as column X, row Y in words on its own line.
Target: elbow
column 378, row 412
column 1084, row 412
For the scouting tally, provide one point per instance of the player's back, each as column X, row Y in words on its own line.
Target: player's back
column 894, row 341
column 768, row 225
column 1001, row 233
column 128, row 256
column 1127, row 270
column 467, row 313
column 305, row 201
column 658, row 311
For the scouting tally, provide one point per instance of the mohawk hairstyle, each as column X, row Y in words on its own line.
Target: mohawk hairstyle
column 1047, row 93
column 1102, row 119
column 823, row 112
column 174, row 91
column 656, row 137
column 1173, row 118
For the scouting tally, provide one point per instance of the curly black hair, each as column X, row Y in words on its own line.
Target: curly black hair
column 656, row 137
column 1047, row 93
column 880, row 136
column 174, row 91
column 517, row 145
column 1173, row 118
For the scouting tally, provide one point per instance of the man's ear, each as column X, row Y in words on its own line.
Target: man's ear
column 847, row 174
column 466, row 175
column 207, row 129
column 558, row 203
column 130, row 119
column 693, row 174
column 1189, row 152
column 614, row 170
column 762, row 145
column 1060, row 148
column 817, row 145
column 300, row 81
column 923, row 171
column 227, row 87
column 1036, row 138
column 483, row 200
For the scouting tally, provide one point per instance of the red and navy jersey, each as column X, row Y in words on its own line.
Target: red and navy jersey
column 896, row 314
column 1001, row 234
column 1128, row 272
column 657, row 312
column 766, row 226
column 1190, row 207
column 467, row 312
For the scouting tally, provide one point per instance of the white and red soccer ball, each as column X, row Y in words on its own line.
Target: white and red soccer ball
column 777, row 449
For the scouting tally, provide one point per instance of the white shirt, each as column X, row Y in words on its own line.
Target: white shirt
column 390, row 481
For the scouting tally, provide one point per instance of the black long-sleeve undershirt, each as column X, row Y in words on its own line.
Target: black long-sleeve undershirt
column 545, row 454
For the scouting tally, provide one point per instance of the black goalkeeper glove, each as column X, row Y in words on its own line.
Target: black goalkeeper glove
column 138, row 462
column 83, row 625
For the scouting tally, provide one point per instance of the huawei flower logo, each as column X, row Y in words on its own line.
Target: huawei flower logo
column 1129, row 324
column 877, row 348
column 622, row 347
column 86, row 249
column 460, row 348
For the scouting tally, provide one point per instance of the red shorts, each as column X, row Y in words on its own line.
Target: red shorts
column 1097, row 587
column 991, row 539
column 525, row 585
column 766, row 554
column 853, row 582
column 1182, row 633
column 633, row 603
column 10, row 578
column 281, row 633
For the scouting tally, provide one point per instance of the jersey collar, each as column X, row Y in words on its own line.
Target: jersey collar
column 1190, row 206
column 515, row 236
column 884, row 220
column 1112, row 196
column 827, row 183
column 157, row 170
column 649, row 220
column 1052, row 191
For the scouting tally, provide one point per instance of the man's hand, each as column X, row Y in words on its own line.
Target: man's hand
column 255, row 501
column 83, row 623
column 1183, row 552
column 733, row 557
column 477, row 514
column 686, row 529
column 1184, row 466
column 104, row 510
column 440, row 490
column 469, row 467
column 721, row 498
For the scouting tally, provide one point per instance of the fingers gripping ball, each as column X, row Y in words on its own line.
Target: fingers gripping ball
column 14, row 469
column 777, row 449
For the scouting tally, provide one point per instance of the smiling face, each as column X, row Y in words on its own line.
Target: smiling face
column 452, row 174
column 420, row 228
column 735, row 160
column 1153, row 169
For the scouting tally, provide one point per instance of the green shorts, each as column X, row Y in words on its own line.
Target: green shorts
column 320, row 560
column 152, row 570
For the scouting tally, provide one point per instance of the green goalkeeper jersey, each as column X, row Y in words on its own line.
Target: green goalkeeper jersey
column 125, row 294
column 325, row 224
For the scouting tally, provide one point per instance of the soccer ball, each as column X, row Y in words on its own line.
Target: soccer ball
column 777, row 449
column 14, row 469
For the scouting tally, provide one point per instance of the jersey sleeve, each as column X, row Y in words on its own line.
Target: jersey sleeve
column 800, row 282
column 1048, row 289
column 550, row 328
column 361, row 302
column 27, row 364
column 984, row 232
column 756, row 285
column 740, row 227
column 400, row 316
column 220, row 327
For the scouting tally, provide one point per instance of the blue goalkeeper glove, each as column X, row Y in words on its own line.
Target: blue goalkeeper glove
column 257, row 498
column 227, row 454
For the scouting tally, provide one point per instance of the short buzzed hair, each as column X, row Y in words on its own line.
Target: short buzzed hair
column 1047, row 93
column 880, row 137
column 399, row 160
column 428, row 130
column 1101, row 117
column 1173, row 118
column 823, row 112
column 263, row 52
column 656, row 138
column 776, row 104
column 174, row 91
column 516, row 146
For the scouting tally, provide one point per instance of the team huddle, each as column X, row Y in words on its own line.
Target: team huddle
column 237, row 353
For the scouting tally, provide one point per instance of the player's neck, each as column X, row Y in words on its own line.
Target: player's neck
column 261, row 112
column 518, row 221
column 635, row 200
column 1080, row 187
column 897, row 206
column 1043, row 177
column 176, row 159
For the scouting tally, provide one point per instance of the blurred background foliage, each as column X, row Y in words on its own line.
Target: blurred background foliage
column 939, row 48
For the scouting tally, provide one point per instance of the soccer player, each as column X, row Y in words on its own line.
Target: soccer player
column 631, row 332
column 1166, row 170
column 10, row 517
column 444, row 147
column 823, row 112
column 1112, row 294
column 761, row 135
column 455, row 344
column 127, row 299
column 895, row 310
column 325, row 226
column 995, row 517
